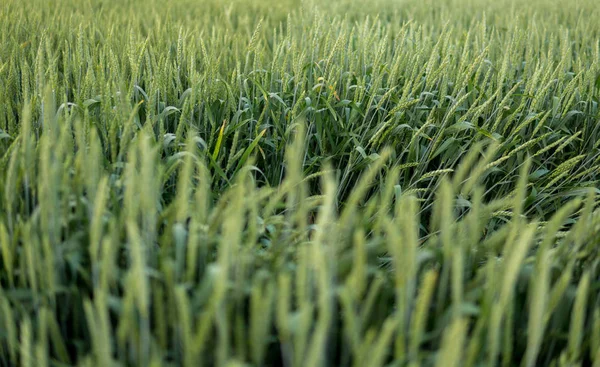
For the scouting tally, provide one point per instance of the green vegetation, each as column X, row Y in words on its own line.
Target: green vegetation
column 245, row 183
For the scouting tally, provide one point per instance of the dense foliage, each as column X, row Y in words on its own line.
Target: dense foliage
column 239, row 183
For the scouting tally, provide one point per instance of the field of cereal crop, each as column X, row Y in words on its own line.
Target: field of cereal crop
column 299, row 183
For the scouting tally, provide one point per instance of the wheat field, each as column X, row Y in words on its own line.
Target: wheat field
column 299, row 183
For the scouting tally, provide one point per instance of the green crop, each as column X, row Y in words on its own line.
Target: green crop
column 245, row 183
